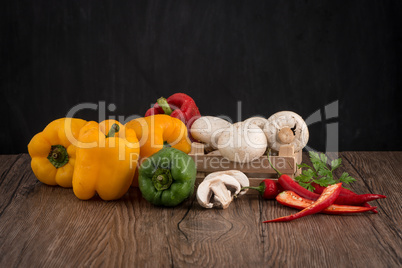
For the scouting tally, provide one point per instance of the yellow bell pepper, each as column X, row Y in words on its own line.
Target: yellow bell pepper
column 53, row 151
column 157, row 130
column 107, row 155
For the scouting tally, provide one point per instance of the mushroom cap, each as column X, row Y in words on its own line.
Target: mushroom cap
column 237, row 174
column 218, row 191
column 242, row 142
column 256, row 120
column 278, row 128
column 207, row 129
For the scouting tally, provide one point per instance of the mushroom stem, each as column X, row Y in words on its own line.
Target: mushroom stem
column 217, row 192
column 285, row 135
column 222, row 194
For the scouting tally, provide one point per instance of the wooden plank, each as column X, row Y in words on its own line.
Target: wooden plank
column 286, row 161
column 44, row 225
column 380, row 172
column 48, row 226
column 361, row 240
column 10, row 165
column 208, row 164
column 216, row 237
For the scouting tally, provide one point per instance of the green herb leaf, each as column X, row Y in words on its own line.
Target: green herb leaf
column 324, row 159
column 303, row 165
column 310, row 187
column 325, row 172
column 313, row 155
column 336, row 163
column 303, row 178
column 315, row 159
column 308, row 173
column 320, row 173
column 346, row 178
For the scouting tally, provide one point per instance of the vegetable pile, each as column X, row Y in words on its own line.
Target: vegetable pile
column 248, row 140
column 330, row 199
column 101, row 159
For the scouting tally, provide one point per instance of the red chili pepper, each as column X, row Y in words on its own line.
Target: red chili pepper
column 291, row 199
column 289, row 184
column 326, row 199
column 268, row 189
column 179, row 105
column 367, row 205
column 347, row 197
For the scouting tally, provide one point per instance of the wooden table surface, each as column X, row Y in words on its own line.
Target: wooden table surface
column 48, row 226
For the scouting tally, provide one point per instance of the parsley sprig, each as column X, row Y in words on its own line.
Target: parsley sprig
column 320, row 173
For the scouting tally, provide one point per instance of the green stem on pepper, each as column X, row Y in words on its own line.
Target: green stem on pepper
column 162, row 179
column 113, row 130
column 162, row 102
column 58, row 156
column 270, row 163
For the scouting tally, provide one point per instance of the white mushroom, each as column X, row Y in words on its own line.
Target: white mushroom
column 242, row 142
column 207, row 129
column 258, row 121
column 286, row 128
column 218, row 192
column 238, row 175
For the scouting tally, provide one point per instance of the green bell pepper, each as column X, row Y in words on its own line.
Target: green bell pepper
column 167, row 177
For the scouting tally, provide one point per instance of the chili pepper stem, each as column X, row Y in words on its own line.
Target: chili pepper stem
column 270, row 163
column 113, row 130
column 162, row 102
column 260, row 188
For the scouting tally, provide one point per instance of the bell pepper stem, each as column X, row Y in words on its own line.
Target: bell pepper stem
column 162, row 179
column 58, row 156
column 113, row 130
column 162, row 102
column 270, row 163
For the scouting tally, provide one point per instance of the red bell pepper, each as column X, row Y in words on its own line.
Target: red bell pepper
column 179, row 105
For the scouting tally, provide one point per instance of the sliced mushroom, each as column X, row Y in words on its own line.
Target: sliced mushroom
column 238, row 175
column 207, row 129
column 242, row 142
column 285, row 128
column 218, row 192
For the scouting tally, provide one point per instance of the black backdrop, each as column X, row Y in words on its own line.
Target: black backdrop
column 271, row 55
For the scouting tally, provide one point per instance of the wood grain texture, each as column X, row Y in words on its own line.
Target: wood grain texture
column 48, row 226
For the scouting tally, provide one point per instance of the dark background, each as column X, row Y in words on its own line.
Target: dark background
column 271, row 55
